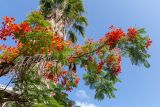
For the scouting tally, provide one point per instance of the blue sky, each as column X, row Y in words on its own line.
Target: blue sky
column 140, row 86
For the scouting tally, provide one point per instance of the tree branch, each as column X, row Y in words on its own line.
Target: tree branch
column 92, row 50
column 4, row 72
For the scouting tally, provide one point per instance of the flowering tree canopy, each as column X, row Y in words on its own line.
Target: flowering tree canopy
column 44, row 61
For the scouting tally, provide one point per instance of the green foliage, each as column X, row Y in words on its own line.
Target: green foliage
column 36, row 18
column 51, row 103
column 136, row 50
column 102, row 82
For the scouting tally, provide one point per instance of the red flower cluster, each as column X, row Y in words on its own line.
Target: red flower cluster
column 77, row 80
column 62, row 79
column 132, row 33
column 70, row 59
column 116, row 69
column 13, row 28
column 38, row 28
column 149, row 42
column 3, row 47
column 57, row 42
column 48, row 75
column 114, row 37
column 48, row 65
column 7, row 20
column 10, row 52
column 52, row 77
column 114, row 62
column 9, row 28
column 5, row 31
column 100, row 66
column 78, row 49
column 24, row 27
column 63, row 73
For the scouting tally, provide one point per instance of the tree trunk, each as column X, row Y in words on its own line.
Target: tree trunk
column 57, row 20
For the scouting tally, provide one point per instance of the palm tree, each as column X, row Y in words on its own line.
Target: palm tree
column 65, row 16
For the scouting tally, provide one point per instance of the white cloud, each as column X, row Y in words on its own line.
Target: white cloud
column 82, row 94
column 84, row 104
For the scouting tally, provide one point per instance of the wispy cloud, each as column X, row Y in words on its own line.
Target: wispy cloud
column 84, row 104
column 82, row 94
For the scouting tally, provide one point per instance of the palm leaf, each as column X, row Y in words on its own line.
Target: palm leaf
column 72, row 36
column 81, row 20
column 80, row 29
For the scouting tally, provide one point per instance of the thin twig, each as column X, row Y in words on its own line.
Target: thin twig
column 9, row 83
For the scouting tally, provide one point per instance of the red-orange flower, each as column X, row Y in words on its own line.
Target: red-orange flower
column 68, row 43
column 114, row 62
column 78, row 49
column 77, row 80
column 149, row 42
column 57, row 42
column 8, row 20
column 10, row 52
column 116, row 69
column 14, row 28
column 100, row 66
column 48, row 65
column 71, row 59
column 63, row 73
column 132, row 33
column 114, row 37
column 25, row 27
column 10, row 29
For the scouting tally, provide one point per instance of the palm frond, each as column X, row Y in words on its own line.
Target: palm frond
column 72, row 36
column 80, row 29
column 81, row 20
